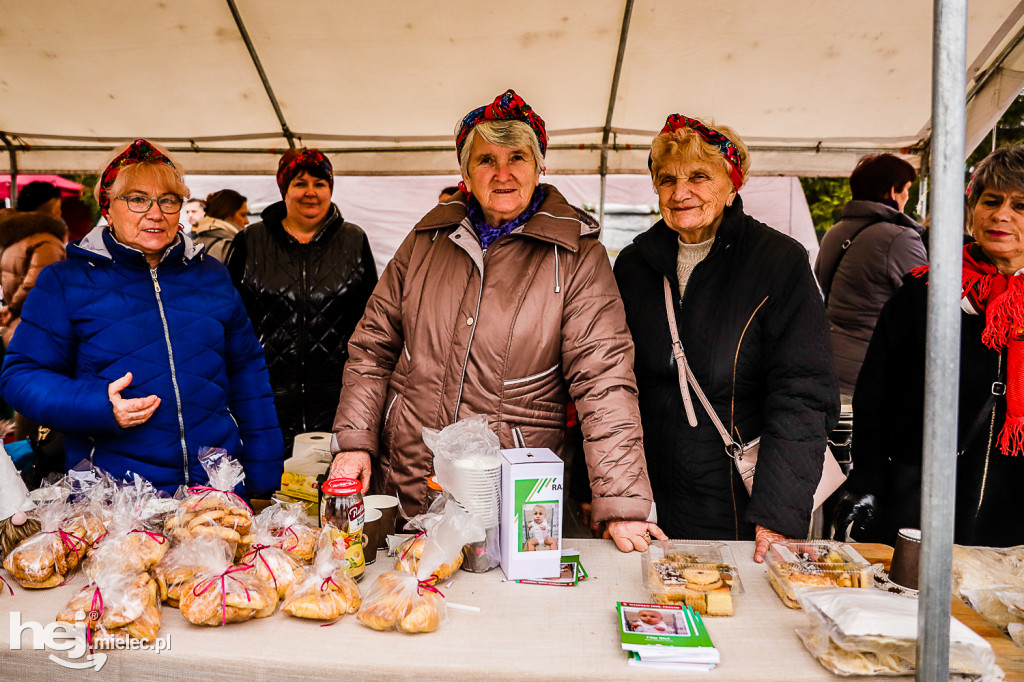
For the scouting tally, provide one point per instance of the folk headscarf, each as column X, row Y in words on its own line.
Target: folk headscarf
column 1000, row 298
column 140, row 151
column 729, row 151
column 507, row 106
column 294, row 161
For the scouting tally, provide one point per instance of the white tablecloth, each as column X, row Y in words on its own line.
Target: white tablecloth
column 521, row 632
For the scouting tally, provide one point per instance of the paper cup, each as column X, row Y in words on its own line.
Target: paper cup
column 906, row 558
column 388, row 506
column 371, row 532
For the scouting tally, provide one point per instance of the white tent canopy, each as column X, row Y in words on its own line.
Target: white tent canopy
column 230, row 83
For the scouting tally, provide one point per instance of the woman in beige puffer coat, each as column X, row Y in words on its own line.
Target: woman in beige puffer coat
column 29, row 242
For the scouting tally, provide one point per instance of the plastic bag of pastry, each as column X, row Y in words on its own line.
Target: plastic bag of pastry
column 116, row 606
column 213, row 509
column 45, row 558
column 222, row 593
column 399, row 601
column 328, row 592
column 289, row 524
column 185, row 561
column 133, row 543
column 871, row 632
column 269, row 561
column 437, row 551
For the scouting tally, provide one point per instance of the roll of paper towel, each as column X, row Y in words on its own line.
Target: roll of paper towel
column 315, row 445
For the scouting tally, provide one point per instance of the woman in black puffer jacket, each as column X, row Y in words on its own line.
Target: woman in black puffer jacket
column 752, row 324
column 305, row 275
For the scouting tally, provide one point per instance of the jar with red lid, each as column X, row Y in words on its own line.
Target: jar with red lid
column 342, row 508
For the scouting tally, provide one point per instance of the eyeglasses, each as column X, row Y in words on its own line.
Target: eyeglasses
column 139, row 203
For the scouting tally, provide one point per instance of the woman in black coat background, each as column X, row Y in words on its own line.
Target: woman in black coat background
column 752, row 324
column 305, row 274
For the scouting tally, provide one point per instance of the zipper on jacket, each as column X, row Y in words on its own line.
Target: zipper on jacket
column 303, row 332
column 532, row 377
column 472, row 333
column 732, row 415
column 988, row 451
column 174, row 373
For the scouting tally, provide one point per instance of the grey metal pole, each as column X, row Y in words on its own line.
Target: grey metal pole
column 942, row 375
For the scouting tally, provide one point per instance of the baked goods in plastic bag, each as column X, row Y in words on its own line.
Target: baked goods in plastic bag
column 43, row 560
column 294, row 535
column 222, row 593
column 446, row 528
column 328, row 592
column 116, row 606
column 871, row 632
column 412, row 602
column 185, row 561
column 269, row 561
column 213, row 509
column 399, row 601
column 132, row 543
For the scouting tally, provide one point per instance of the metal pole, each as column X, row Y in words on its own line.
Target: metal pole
column 627, row 13
column 263, row 74
column 14, row 168
column 942, row 375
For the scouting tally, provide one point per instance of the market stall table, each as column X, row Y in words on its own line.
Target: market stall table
column 520, row 631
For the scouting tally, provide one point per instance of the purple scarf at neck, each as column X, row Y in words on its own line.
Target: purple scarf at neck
column 489, row 234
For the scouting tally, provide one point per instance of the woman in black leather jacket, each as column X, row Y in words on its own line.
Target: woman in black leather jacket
column 305, row 275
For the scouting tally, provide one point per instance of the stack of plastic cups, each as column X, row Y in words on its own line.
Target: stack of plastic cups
column 476, row 486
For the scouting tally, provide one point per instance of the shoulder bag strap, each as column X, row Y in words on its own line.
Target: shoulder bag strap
column 685, row 373
column 843, row 249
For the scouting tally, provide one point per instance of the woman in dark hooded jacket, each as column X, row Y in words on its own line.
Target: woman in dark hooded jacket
column 752, row 325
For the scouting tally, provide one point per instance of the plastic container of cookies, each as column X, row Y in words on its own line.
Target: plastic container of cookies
column 701, row 575
column 797, row 565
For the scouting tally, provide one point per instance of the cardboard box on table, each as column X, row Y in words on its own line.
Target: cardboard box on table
column 530, row 477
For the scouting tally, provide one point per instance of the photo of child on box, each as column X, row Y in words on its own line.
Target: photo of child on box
column 540, row 533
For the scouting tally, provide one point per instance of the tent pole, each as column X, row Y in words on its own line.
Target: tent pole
column 606, row 134
column 942, row 363
column 14, row 168
column 288, row 135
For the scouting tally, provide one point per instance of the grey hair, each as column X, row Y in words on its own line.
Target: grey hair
column 513, row 134
column 1002, row 169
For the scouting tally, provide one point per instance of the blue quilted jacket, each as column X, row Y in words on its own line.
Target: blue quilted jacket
column 182, row 332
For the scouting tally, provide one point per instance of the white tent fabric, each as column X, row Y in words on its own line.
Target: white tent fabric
column 388, row 207
column 810, row 85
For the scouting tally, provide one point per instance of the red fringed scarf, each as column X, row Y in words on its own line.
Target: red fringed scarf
column 1001, row 299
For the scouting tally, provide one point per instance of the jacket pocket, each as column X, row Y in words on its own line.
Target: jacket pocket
column 537, row 400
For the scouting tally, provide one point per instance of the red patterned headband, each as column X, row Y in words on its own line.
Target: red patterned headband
column 294, row 161
column 507, row 106
column 139, row 151
column 726, row 148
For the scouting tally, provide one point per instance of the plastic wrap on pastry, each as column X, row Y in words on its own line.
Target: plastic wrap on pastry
column 214, row 509
column 327, row 593
column 183, row 562
column 116, row 606
column 221, row 593
column 436, row 553
column 399, row 601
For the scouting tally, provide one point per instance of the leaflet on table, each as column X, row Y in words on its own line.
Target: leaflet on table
column 571, row 572
column 665, row 633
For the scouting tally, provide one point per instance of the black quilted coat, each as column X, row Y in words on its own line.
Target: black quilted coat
column 753, row 327
column 304, row 301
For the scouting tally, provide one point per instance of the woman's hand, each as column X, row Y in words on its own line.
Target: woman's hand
column 630, row 535
column 765, row 537
column 130, row 411
column 352, row 464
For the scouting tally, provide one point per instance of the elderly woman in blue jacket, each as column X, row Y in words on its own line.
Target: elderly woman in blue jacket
column 138, row 348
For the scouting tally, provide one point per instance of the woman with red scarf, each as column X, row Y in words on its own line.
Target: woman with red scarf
column 889, row 399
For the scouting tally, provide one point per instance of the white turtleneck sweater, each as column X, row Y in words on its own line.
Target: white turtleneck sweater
column 688, row 257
